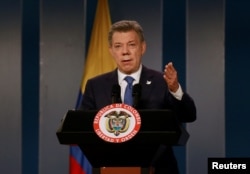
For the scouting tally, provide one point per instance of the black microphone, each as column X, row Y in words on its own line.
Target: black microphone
column 116, row 93
column 136, row 94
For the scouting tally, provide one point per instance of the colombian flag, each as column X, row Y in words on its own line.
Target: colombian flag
column 98, row 61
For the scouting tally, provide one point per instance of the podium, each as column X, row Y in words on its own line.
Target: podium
column 158, row 127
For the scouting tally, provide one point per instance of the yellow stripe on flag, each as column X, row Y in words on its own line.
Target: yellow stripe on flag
column 98, row 58
column 98, row 61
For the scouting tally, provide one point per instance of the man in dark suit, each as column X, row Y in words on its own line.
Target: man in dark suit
column 159, row 90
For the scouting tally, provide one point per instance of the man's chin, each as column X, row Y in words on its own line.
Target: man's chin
column 127, row 70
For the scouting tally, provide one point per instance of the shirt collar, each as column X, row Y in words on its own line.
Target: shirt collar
column 136, row 75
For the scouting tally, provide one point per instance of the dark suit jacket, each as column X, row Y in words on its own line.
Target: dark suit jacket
column 154, row 95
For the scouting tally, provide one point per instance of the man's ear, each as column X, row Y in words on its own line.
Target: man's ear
column 110, row 50
column 144, row 47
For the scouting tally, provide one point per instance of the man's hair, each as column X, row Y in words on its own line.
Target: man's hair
column 125, row 26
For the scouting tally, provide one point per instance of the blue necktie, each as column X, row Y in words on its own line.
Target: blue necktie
column 128, row 99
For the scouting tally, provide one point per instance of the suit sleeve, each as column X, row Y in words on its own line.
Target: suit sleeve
column 88, row 102
column 184, row 108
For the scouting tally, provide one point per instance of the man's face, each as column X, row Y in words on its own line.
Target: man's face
column 127, row 50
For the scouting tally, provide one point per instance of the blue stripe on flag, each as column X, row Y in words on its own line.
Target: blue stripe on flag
column 77, row 154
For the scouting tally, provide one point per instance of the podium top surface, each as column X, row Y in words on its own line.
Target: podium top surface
column 152, row 120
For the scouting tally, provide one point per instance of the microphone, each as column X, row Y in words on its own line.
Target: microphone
column 116, row 93
column 136, row 94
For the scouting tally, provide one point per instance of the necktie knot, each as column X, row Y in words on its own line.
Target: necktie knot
column 128, row 99
column 129, row 80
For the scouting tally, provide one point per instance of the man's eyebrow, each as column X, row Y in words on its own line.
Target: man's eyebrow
column 122, row 43
column 132, row 41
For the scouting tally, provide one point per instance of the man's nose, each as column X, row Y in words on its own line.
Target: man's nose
column 125, row 50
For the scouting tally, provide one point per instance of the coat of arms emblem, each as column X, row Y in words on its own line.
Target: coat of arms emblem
column 117, row 122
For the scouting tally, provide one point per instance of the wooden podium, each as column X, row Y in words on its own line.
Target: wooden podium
column 158, row 127
column 120, row 170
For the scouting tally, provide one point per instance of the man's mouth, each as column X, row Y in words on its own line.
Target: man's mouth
column 126, row 60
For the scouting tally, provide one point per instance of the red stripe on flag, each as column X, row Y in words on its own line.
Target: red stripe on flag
column 75, row 168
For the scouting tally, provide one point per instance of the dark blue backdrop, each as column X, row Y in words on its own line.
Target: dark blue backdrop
column 237, row 78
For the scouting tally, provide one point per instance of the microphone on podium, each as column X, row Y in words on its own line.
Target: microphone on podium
column 136, row 93
column 116, row 93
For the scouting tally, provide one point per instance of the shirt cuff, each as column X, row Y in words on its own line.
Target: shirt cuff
column 178, row 94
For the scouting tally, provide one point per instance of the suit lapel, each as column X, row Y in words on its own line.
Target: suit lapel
column 113, row 77
column 146, row 82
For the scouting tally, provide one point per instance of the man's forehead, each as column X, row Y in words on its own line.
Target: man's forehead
column 128, row 36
